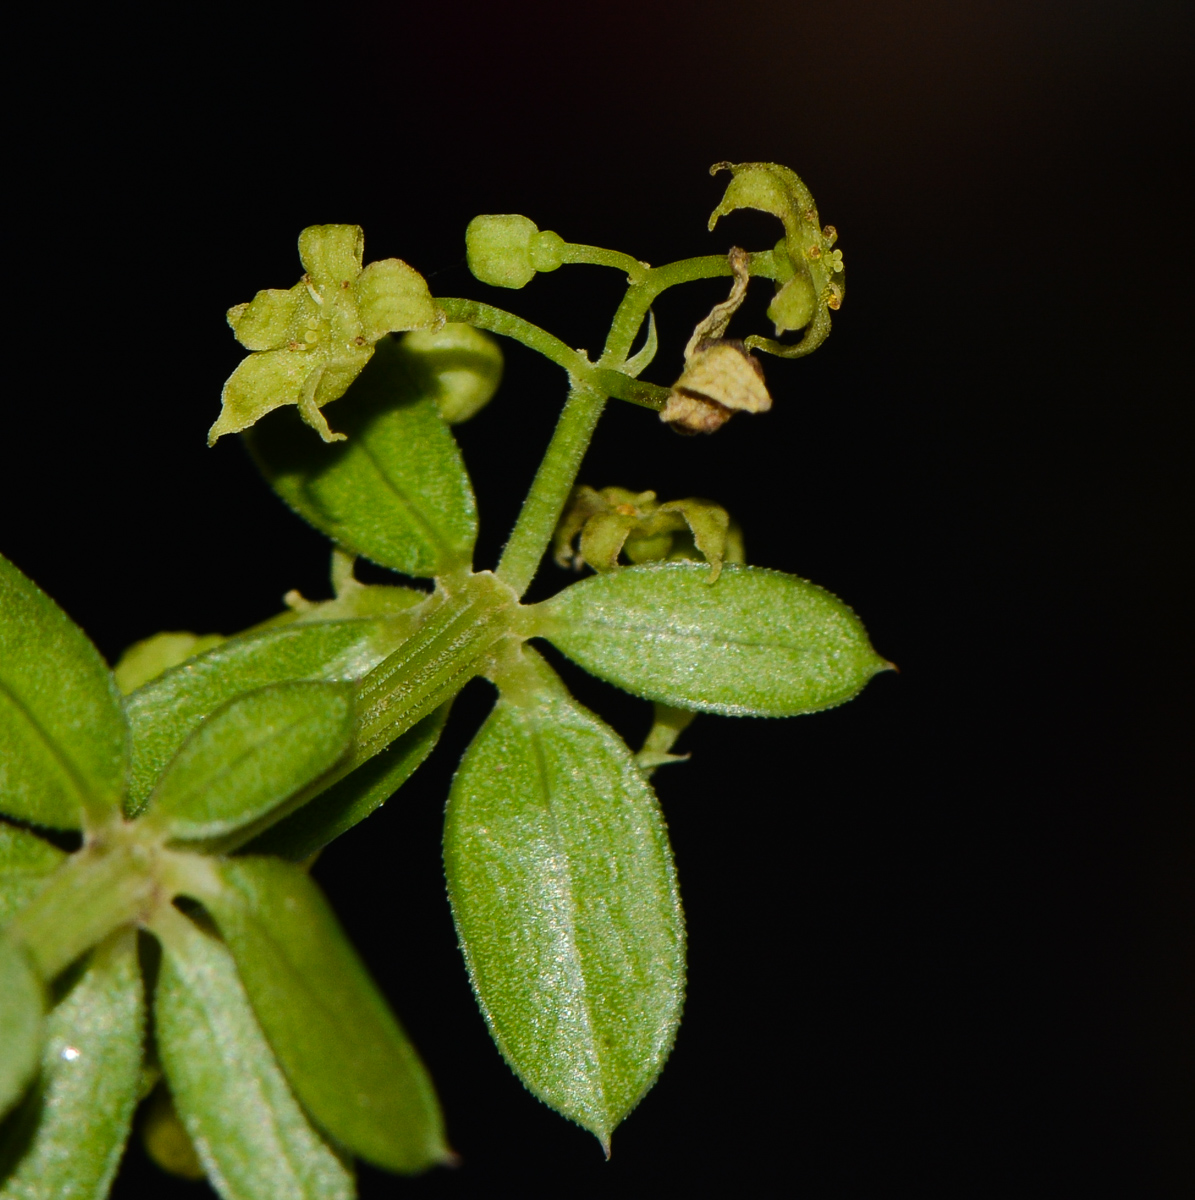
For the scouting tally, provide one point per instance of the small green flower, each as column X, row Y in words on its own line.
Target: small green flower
column 810, row 284
column 312, row 341
column 615, row 521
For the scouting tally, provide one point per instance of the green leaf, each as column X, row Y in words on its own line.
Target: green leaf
column 250, row 755
column 21, row 1007
column 166, row 711
column 26, row 863
column 566, row 905
column 62, row 737
column 354, row 797
column 71, row 1131
column 344, row 1053
column 147, row 659
column 245, row 1124
column 756, row 643
column 396, row 491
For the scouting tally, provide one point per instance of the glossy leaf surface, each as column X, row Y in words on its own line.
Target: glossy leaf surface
column 164, row 713
column 353, row 798
column 755, row 643
column 26, row 862
column 21, row 1006
column 344, row 1053
column 62, row 737
column 243, row 1120
column 396, row 491
column 565, row 901
column 250, row 755
column 68, row 1137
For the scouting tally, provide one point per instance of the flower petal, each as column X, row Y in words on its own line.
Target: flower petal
column 260, row 384
column 265, row 322
column 342, row 368
column 393, row 297
column 331, row 254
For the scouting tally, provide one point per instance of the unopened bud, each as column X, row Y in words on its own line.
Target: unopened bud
column 459, row 365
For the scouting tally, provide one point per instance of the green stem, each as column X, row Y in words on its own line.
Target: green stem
column 449, row 648
column 119, row 879
column 641, row 296
column 610, row 383
column 498, row 320
column 551, row 487
column 589, row 387
column 574, row 252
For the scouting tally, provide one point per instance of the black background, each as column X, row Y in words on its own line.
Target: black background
column 941, row 938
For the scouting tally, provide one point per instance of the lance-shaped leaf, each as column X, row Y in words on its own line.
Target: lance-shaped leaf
column 62, row 736
column 68, row 1137
column 566, row 905
column 756, row 643
column 249, row 756
column 26, row 863
column 243, row 1120
column 21, row 1007
column 341, row 1048
column 396, row 491
column 353, row 798
column 164, row 712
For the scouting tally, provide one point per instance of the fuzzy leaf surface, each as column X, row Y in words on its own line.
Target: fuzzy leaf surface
column 755, row 643
column 62, row 736
column 164, row 712
column 250, row 755
column 243, row 1120
column 351, row 799
column 26, row 862
column 67, row 1138
column 565, row 900
column 342, row 1049
column 21, row 1007
column 396, row 491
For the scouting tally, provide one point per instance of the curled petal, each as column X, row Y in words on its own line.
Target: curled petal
column 775, row 189
column 393, row 298
column 709, row 524
column 603, row 537
column 331, row 254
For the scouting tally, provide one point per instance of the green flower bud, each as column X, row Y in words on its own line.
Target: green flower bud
column 499, row 250
column 459, row 365
column 507, row 250
column 310, row 342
